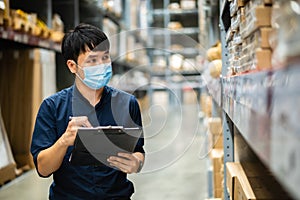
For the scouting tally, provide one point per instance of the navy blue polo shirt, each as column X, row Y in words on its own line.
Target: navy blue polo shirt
column 73, row 182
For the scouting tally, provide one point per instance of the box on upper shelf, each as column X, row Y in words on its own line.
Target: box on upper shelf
column 235, row 5
column 255, row 17
column 261, row 37
column 188, row 4
column 263, row 59
column 258, row 59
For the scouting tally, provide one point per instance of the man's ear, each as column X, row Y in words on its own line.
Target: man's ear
column 72, row 66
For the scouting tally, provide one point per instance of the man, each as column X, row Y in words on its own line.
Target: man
column 89, row 102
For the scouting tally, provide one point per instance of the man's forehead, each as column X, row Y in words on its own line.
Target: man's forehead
column 97, row 53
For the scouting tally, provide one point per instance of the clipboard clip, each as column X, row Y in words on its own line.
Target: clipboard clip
column 111, row 127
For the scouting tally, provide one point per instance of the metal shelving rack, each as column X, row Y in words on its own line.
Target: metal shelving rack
column 264, row 111
column 262, row 108
column 28, row 39
column 164, row 48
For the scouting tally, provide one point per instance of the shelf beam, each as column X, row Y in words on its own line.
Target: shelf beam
column 27, row 39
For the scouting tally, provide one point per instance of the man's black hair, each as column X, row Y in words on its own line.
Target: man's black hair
column 82, row 38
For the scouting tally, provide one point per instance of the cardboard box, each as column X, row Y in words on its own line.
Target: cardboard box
column 215, row 125
column 263, row 59
column 262, row 16
column 217, row 161
column 258, row 39
column 206, row 104
column 258, row 16
column 235, row 5
column 268, row 2
column 265, row 36
column 215, row 133
column 188, row 4
column 215, row 141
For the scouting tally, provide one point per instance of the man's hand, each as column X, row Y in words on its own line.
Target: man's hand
column 50, row 159
column 126, row 162
column 69, row 136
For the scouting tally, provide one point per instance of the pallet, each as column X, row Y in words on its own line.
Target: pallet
column 7, row 174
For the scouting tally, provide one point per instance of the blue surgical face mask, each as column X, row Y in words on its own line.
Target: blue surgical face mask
column 96, row 77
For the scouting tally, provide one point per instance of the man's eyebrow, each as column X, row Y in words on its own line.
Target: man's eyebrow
column 90, row 57
column 94, row 54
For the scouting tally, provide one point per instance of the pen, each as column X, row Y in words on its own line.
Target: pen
column 70, row 118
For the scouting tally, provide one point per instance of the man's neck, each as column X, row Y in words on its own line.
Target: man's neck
column 93, row 96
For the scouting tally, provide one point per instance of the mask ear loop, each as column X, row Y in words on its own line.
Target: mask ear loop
column 77, row 72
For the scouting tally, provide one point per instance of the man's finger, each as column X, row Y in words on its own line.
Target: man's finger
column 81, row 121
column 126, row 155
column 124, row 168
column 119, row 159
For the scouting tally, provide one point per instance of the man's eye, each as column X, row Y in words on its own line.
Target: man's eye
column 92, row 61
column 105, row 57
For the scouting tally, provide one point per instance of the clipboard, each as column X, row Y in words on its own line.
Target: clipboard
column 92, row 146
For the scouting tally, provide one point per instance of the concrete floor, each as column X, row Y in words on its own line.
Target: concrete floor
column 174, row 168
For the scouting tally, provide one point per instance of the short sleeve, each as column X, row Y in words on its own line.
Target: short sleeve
column 135, row 114
column 44, row 134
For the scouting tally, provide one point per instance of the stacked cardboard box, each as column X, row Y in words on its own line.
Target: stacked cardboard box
column 248, row 36
column 206, row 104
column 216, row 154
column 29, row 23
column 215, row 132
column 285, row 37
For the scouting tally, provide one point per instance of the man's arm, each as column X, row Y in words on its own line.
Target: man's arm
column 131, row 162
column 50, row 159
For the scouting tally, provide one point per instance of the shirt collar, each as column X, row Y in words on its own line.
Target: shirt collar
column 103, row 100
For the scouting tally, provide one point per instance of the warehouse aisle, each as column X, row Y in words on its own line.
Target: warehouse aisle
column 178, row 173
column 185, row 175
